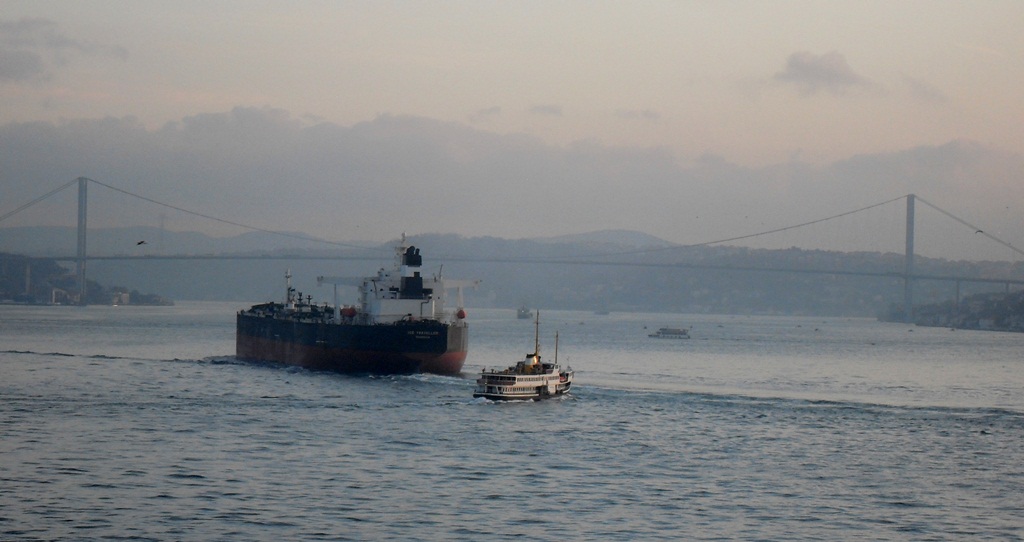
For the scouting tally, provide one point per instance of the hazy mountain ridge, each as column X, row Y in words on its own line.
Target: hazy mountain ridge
column 704, row 279
column 621, row 238
column 62, row 241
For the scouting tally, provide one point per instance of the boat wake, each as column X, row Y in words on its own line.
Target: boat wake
column 429, row 378
column 227, row 360
column 32, row 353
column 213, row 360
column 70, row 355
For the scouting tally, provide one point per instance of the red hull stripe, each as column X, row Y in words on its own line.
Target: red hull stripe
column 345, row 360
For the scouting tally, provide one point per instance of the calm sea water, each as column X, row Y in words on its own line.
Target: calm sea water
column 136, row 423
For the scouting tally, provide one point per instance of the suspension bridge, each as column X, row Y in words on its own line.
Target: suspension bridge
column 907, row 274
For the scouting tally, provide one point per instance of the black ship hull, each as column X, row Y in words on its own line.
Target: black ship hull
column 406, row 347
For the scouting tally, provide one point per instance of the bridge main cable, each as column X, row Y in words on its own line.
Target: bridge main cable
column 972, row 226
column 747, row 236
column 223, row 221
column 37, row 200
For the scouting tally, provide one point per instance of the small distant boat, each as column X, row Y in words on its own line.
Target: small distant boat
column 523, row 313
column 528, row 379
column 671, row 333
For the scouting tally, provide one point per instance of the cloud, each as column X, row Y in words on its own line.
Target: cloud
column 987, row 51
column 484, row 114
column 16, row 65
column 640, row 114
column 264, row 167
column 812, row 74
column 24, row 32
column 31, row 48
column 547, row 110
column 922, row 91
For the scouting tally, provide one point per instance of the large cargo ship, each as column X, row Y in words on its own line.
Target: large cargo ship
column 399, row 325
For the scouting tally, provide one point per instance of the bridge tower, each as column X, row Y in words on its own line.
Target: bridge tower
column 83, row 184
column 908, row 265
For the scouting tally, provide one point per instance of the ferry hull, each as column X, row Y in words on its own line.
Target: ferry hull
column 402, row 348
column 518, row 397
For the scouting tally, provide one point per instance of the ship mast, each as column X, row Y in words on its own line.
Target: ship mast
column 536, row 335
column 290, row 292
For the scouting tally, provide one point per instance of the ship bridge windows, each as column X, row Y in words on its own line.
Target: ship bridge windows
column 412, row 287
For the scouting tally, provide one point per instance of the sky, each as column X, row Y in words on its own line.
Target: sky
column 691, row 121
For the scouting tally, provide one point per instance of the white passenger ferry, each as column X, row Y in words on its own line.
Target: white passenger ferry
column 527, row 379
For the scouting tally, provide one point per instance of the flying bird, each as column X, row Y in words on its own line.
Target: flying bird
column 141, row 242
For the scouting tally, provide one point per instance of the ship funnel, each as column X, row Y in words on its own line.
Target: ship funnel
column 411, row 257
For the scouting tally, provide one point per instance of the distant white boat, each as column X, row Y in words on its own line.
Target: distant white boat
column 671, row 333
column 523, row 313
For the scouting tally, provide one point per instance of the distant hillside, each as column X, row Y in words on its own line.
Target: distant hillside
column 996, row 311
column 622, row 238
column 62, row 241
column 638, row 273
column 43, row 281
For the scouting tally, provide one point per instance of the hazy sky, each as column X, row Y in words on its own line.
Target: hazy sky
column 687, row 101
